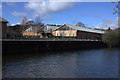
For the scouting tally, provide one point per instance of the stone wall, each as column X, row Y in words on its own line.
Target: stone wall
column 24, row 47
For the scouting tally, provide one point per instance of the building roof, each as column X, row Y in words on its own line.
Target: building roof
column 3, row 20
column 71, row 26
column 33, row 27
column 54, row 27
column 87, row 29
column 84, row 29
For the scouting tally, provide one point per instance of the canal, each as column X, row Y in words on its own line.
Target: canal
column 90, row 63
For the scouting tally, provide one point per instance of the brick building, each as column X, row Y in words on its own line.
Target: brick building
column 64, row 31
column 31, row 31
column 3, row 28
column 78, row 32
column 44, row 31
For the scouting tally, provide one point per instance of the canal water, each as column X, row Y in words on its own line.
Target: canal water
column 92, row 63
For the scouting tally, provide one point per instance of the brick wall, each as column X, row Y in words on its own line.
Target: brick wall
column 88, row 35
column 3, row 29
column 65, row 33
column 30, row 33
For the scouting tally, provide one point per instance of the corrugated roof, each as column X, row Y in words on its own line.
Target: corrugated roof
column 87, row 29
column 3, row 20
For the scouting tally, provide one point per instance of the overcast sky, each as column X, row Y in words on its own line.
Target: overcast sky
column 92, row 14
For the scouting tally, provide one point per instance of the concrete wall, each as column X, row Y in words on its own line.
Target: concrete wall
column 27, row 47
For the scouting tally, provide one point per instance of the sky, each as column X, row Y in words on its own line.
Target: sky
column 92, row 14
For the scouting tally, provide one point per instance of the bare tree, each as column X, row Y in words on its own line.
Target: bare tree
column 30, row 22
column 23, row 24
column 24, row 21
column 80, row 24
column 38, row 21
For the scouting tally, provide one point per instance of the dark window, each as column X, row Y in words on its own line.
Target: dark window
column 60, row 34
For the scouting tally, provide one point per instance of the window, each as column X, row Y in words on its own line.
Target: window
column 60, row 34
column 66, row 28
column 69, row 34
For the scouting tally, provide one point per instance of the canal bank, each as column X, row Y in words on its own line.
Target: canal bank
column 11, row 47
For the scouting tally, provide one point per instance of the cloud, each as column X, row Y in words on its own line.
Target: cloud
column 12, row 24
column 0, row 9
column 15, row 24
column 75, row 21
column 16, row 14
column 108, row 23
column 47, row 7
column 59, row 0
column 0, row 6
column 10, row 3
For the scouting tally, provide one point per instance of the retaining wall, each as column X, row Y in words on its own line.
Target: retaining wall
column 22, row 47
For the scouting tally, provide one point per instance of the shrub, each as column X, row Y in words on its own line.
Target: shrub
column 112, row 37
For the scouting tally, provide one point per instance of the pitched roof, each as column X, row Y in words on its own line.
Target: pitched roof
column 54, row 27
column 84, row 29
column 33, row 27
column 51, row 27
column 3, row 20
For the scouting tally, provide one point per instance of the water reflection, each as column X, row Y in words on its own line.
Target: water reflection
column 95, row 63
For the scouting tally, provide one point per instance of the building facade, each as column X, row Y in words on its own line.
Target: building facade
column 3, row 28
column 44, row 31
column 49, row 30
column 78, row 32
column 64, row 30
column 31, row 31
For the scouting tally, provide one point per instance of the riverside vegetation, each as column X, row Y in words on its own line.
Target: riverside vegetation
column 112, row 37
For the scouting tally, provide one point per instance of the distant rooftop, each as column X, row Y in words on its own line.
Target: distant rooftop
column 3, row 20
